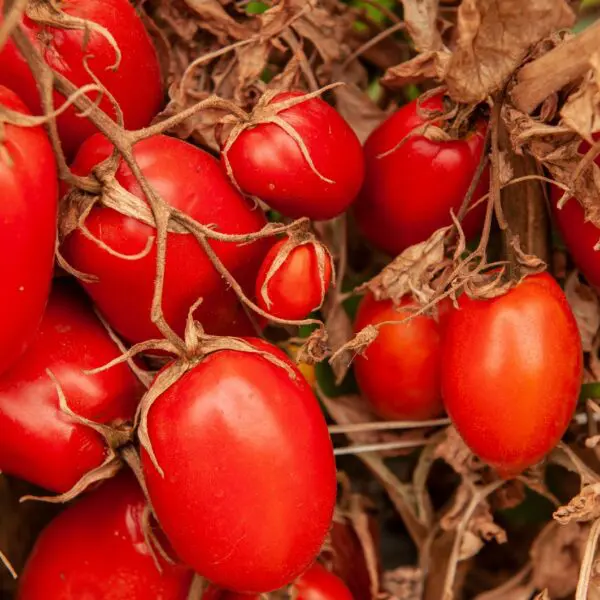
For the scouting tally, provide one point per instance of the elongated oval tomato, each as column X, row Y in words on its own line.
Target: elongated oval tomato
column 249, row 479
column 190, row 180
column 29, row 184
column 267, row 162
column 296, row 287
column 511, row 373
column 39, row 442
column 135, row 84
column 317, row 583
column 411, row 185
column 96, row 550
column 399, row 373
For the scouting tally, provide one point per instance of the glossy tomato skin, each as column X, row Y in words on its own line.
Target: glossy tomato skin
column 95, row 550
column 29, row 184
column 295, row 290
column 408, row 194
column 317, row 583
column 39, row 443
column 399, row 373
column 511, row 373
column 249, row 475
column 188, row 179
column 136, row 84
column 268, row 163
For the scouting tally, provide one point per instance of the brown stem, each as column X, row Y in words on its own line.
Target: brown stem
column 554, row 70
column 13, row 13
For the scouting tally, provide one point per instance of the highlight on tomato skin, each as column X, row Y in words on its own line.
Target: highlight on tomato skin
column 96, row 549
column 267, row 162
column 39, row 442
column 136, row 83
column 412, row 182
column 511, row 373
column 296, row 288
column 28, row 212
column 228, row 501
column 399, row 371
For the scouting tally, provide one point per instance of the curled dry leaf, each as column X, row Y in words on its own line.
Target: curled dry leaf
column 556, row 556
column 412, row 271
column 427, row 65
column 493, row 37
column 404, row 583
column 455, row 452
column 581, row 111
column 421, row 17
column 214, row 19
column 584, row 507
column 586, row 308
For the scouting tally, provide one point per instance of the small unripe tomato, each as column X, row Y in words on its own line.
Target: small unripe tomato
column 399, row 372
column 511, row 372
column 299, row 283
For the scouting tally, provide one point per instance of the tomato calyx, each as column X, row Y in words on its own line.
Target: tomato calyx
column 267, row 111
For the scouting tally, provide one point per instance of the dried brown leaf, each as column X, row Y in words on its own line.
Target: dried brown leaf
column 213, row 18
column 427, row 65
column 420, row 17
column 493, row 37
column 581, row 111
column 584, row 507
column 586, row 308
column 404, row 583
column 455, row 452
column 556, row 556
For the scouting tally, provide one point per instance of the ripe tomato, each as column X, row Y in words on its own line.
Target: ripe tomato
column 249, row 479
column 295, row 289
column 29, row 185
column 511, row 373
column 39, row 442
column 267, row 162
column 399, row 373
column 408, row 194
column 188, row 179
column 317, row 583
column 96, row 550
column 135, row 85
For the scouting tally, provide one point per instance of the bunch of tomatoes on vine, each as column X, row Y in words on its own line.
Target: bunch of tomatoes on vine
column 174, row 316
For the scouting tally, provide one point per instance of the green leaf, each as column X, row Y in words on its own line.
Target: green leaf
column 371, row 11
column 256, row 8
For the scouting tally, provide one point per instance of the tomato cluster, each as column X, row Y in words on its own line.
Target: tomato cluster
column 234, row 455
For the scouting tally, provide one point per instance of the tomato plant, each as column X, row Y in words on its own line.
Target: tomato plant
column 249, row 480
column 399, row 372
column 268, row 162
column 511, row 372
column 297, row 287
column 96, row 550
column 317, row 583
column 40, row 443
column 29, row 184
column 135, row 84
column 190, row 180
column 412, row 183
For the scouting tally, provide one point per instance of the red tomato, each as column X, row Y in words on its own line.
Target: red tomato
column 249, row 479
column 319, row 584
column 188, row 179
column 399, row 373
column 408, row 194
column 135, row 85
column 511, row 373
column 29, row 185
column 295, row 289
column 580, row 236
column 96, row 550
column 267, row 162
column 39, row 442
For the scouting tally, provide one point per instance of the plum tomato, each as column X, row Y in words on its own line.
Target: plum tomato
column 249, row 483
column 267, row 162
column 39, row 442
column 29, row 184
column 296, row 288
column 511, row 372
column 190, row 180
column 317, row 583
column 410, row 187
column 399, row 372
column 135, row 84
column 96, row 550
